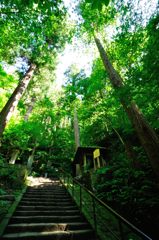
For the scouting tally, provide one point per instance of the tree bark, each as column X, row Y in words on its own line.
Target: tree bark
column 14, row 156
column 29, row 109
column 76, row 130
column 128, row 149
column 31, row 160
column 147, row 136
column 8, row 109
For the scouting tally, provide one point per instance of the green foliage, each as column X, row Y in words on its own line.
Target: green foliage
column 131, row 192
column 98, row 3
column 12, row 180
column 95, row 14
column 125, row 183
column 34, row 30
column 4, row 205
column 13, row 176
column 7, row 84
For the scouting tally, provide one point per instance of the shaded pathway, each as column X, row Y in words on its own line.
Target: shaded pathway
column 47, row 211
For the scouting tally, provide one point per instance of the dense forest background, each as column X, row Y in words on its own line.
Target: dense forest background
column 115, row 106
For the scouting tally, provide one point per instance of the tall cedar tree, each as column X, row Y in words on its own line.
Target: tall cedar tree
column 145, row 132
column 36, row 30
column 11, row 104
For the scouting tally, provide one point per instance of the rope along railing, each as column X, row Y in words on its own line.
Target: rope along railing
column 108, row 224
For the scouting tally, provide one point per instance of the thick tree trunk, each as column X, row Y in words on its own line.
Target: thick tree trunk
column 128, row 149
column 31, row 160
column 30, row 107
column 76, row 130
column 131, row 154
column 8, row 109
column 148, row 138
column 14, row 156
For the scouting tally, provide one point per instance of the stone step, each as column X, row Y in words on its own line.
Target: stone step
column 47, row 219
column 46, row 199
column 56, row 235
column 45, row 208
column 47, row 188
column 49, row 196
column 52, row 203
column 46, row 194
column 48, row 213
column 48, row 184
column 42, row 227
column 51, row 185
column 45, row 185
column 53, row 181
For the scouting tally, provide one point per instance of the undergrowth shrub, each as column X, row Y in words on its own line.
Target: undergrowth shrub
column 12, row 180
column 13, row 176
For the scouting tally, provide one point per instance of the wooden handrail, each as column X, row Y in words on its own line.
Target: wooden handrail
column 118, row 216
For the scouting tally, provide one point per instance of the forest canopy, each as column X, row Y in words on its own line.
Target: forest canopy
column 115, row 106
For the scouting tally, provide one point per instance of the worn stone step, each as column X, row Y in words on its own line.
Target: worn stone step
column 51, row 189
column 47, row 219
column 62, row 235
column 37, row 195
column 42, row 227
column 46, row 199
column 46, row 185
column 46, row 194
column 46, row 190
column 53, row 203
column 48, row 213
column 51, row 196
column 45, row 208
column 51, row 185
column 53, row 181
column 43, row 187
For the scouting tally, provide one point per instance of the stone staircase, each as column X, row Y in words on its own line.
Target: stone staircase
column 47, row 211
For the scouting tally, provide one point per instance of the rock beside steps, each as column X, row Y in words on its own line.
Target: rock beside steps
column 47, row 211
